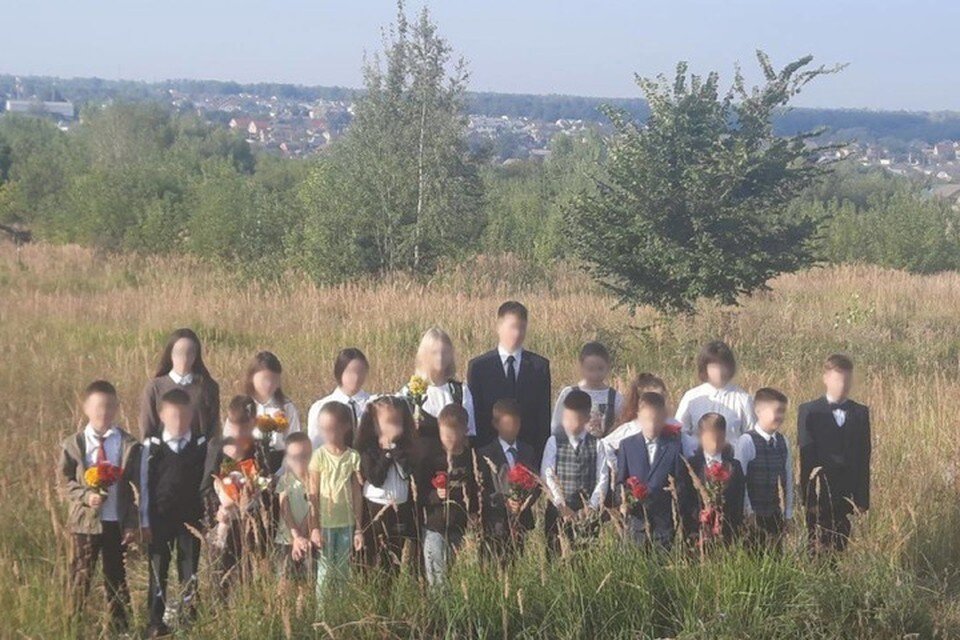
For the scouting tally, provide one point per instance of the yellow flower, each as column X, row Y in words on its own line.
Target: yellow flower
column 92, row 477
column 417, row 387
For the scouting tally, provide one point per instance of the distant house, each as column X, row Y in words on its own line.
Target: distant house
column 945, row 151
column 240, row 124
column 258, row 129
column 62, row 109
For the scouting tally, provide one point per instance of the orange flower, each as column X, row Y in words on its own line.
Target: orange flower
column 102, row 476
column 277, row 423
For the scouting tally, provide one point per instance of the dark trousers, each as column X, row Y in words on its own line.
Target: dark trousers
column 555, row 528
column 187, row 548
column 768, row 531
column 828, row 527
column 386, row 530
column 503, row 548
column 108, row 546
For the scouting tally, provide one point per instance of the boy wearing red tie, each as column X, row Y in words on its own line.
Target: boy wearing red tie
column 103, row 520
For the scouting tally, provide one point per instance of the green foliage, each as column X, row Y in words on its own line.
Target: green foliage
column 876, row 218
column 693, row 203
column 526, row 201
column 414, row 194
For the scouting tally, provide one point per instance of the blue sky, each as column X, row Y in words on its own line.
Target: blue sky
column 902, row 55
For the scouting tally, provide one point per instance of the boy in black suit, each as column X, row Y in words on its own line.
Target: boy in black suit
column 171, row 506
column 510, row 371
column 505, row 521
column 714, row 464
column 834, row 437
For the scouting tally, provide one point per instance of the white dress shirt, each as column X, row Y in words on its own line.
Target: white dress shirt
column 358, row 402
column 395, row 489
column 112, row 447
column 272, row 408
column 840, row 415
column 182, row 380
column 598, row 401
column 731, row 401
column 709, row 459
column 651, row 449
column 614, row 438
column 510, row 457
column 746, row 451
column 548, row 470
column 175, row 444
column 517, row 355
column 439, row 396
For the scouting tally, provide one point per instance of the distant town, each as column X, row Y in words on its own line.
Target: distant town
column 301, row 125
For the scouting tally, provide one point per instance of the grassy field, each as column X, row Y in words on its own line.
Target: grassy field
column 68, row 316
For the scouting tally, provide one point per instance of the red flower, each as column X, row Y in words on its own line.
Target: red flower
column 717, row 472
column 439, row 480
column 671, row 430
column 522, row 477
column 638, row 490
column 710, row 521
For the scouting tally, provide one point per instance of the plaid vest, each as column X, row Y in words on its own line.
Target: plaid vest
column 766, row 473
column 576, row 468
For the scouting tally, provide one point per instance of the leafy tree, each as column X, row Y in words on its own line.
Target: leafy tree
column 692, row 204
column 415, row 193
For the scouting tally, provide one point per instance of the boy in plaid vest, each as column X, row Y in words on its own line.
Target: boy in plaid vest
column 764, row 454
column 574, row 470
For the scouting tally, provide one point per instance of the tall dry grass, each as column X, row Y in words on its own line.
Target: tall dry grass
column 68, row 315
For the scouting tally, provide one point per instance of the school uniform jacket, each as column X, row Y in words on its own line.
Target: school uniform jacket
column 733, row 492
column 668, row 462
column 487, row 380
column 842, row 453
column 82, row 518
column 493, row 474
column 204, row 395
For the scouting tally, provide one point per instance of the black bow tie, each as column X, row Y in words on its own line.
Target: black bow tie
column 837, row 405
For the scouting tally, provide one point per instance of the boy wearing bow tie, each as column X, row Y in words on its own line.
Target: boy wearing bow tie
column 834, row 437
column 764, row 454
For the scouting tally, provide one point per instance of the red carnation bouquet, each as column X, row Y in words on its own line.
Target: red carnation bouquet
column 522, row 482
column 440, row 480
column 635, row 492
column 717, row 474
column 101, row 476
column 671, row 430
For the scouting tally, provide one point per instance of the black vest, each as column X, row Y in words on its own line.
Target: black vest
column 766, row 474
column 174, row 485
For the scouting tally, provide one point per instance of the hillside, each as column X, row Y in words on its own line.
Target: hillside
column 70, row 315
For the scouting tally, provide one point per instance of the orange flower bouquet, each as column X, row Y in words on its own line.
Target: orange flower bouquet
column 101, row 476
column 234, row 484
column 267, row 425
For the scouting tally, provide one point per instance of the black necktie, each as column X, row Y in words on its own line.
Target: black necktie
column 511, row 375
column 513, row 456
column 353, row 412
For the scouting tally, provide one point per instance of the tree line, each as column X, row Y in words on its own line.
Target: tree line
column 704, row 198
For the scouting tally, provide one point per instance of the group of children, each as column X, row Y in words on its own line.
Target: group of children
column 377, row 481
